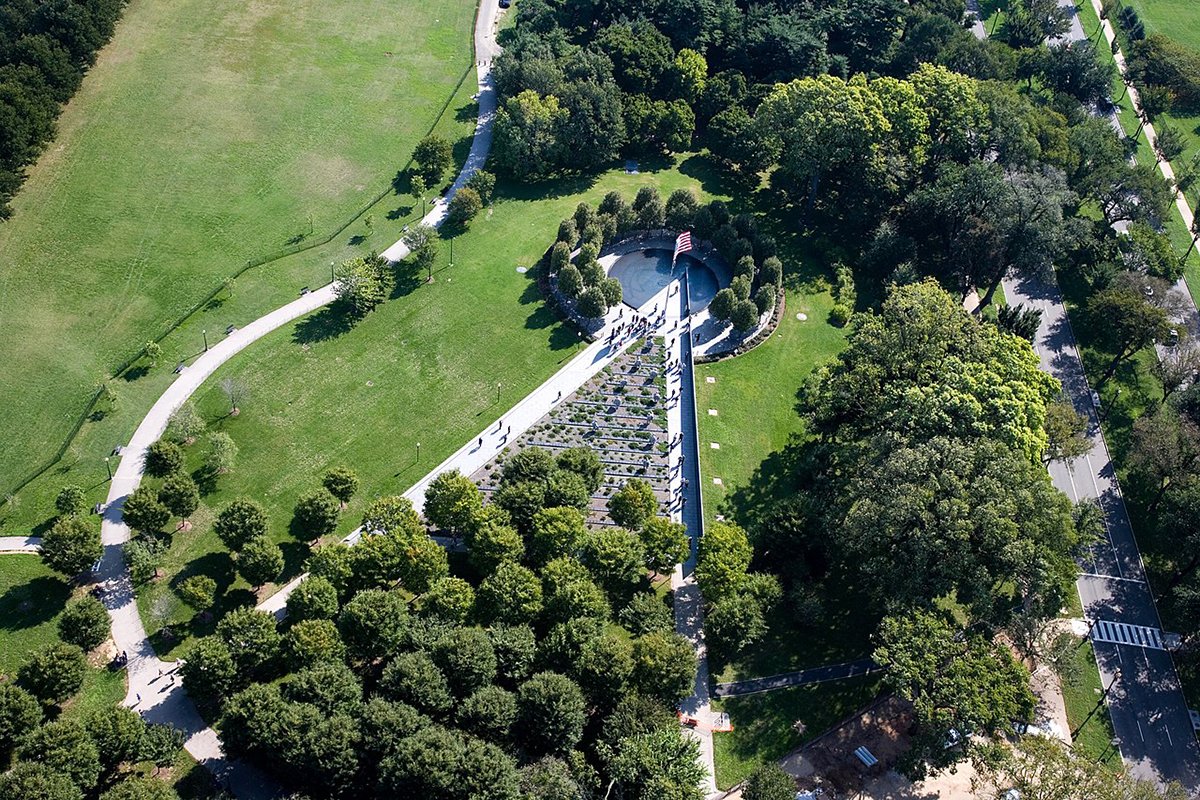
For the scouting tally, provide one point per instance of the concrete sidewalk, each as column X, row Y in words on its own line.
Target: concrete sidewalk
column 20, row 544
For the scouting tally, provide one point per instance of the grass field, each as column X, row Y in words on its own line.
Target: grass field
column 31, row 599
column 764, row 724
column 420, row 368
column 272, row 123
column 1091, row 729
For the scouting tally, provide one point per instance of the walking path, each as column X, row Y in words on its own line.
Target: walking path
column 829, row 672
column 20, row 544
column 153, row 689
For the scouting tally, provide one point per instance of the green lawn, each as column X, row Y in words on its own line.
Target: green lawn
column 1179, row 19
column 1091, row 728
column 423, row 367
column 208, row 134
column 31, row 599
column 764, row 725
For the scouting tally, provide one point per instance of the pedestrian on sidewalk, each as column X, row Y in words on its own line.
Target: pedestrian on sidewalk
column 480, row 442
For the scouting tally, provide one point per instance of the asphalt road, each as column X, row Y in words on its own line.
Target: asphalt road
column 829, row 672
column 1149, row 714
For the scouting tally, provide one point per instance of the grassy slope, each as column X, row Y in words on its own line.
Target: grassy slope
column 421, row 368
column 1091, row 728
column 206, row 135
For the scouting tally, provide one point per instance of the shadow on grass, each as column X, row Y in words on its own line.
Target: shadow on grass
column 330, row 322
column 33, row 603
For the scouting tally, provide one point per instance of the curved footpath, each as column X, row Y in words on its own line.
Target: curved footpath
column 154, row 690
column 20, row 544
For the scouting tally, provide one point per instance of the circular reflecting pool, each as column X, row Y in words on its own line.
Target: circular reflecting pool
column 644, row 273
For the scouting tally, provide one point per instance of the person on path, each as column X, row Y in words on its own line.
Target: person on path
column 480, row 442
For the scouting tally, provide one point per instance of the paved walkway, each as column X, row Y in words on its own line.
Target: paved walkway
column 829, row 672
column 153, row 689
column 20, row 544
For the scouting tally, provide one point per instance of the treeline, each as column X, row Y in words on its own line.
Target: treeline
column 45, row 49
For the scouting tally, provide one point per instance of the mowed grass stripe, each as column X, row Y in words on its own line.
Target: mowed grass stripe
column 207, row 134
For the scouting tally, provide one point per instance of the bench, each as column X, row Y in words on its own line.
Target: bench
column 303, row 291
column 865, row 756
column 229, row 330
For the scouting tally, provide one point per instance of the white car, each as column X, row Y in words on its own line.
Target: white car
column 1095, row 399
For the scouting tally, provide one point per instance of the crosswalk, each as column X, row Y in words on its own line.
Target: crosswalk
column 1123, row 633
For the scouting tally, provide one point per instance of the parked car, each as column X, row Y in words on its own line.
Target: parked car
column 1095, row 399
column 505, row 3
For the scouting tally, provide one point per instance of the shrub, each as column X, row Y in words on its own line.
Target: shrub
column 611, row 289
column 198, row 591
column 721, row 307
column 180, row 495
column 592, row 304
column 839, row 315
column 765, row 298
column 54, row 673
column 745, row 316
column 143, row 512
column 70, row 501
column 483, row 183
column 570, row 282
column 239, row 522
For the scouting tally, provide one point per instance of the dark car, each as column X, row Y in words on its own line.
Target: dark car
column 505, row 3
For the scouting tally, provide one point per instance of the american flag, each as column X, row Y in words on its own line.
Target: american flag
column 682, row 244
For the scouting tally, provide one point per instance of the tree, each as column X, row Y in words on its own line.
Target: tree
column 550, row 713
column 259, row 561
column 449, row 600
column 71, row 546
column 615, row 557
column 252, row 640
column 374, row 624
column 1066, row 433
column 316, row 514
column 592, row 303
column 492, row 545
column 314, row 598
column 633, row 504
column 584, row 462
column 19, row 714
column 84, row 623
column 312, row 642
column 391, row 514
column 515, row 646
column 235, row 391
column 644, row 613
column 239, row 522
column 665, row 542
column 569, row 593
column 769, row 782
column 570, row 282
column 734, row 622
column 1130, row 324
column 334, row 563
column 512, row 595
column 1165, row 448
column 65, row 747
column 198, row 591
column 489, row 713
column 185, row 424
column 28, row 780
column 745, row 316
column 721, row 306
column 722, row 561
column 483, row 183
column 526, row 134
column 1019, row 320
column 1176, row 368
column 464, row 206
column 413, row 678
column 664, row 666
column 422, row 243
column 467, row 659
column 180, row 495
column 361, row 284
column 956, row 682
column 161, row 744
column 342, row 483
column 70, row 501
column 118, row 733
column 143, row 512
column 417, row 187
column 53, row 674
column 432, row 157
column 556, row 532
column 1074, row 68
column 603, row 669
column 452, row 502
column 208, row 672
column 661, row 759
column 222, row 452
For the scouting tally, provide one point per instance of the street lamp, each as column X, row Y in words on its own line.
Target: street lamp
column 108, row 466
column 452, row 251
column 497, row 392
column 418, row 451
column 205, row 334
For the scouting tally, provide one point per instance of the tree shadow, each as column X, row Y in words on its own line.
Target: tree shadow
column 712, row 176
column 329, row 323
column 33, row 603
column 206, row 480
column 562, row 186
column 133, row 373
column 399, row 212
column 356, row 240
column 402, row 182
column 295, row 553
column 406, row 278
column 215, row 303
column 467, row 112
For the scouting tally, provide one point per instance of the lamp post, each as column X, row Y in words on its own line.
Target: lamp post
column 497, row 392
column 108, row 466
column 418, row 451
column 205, row 334
column 452, row 251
